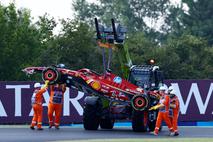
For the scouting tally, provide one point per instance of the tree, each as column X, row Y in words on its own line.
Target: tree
column 74, row 47
column 190, row 58
column 21, row 42
column 197, row 20
column 186, row 53
column 18, row 42
column 132, row 13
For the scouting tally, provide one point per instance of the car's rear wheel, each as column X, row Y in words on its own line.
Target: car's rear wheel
column 51, row 74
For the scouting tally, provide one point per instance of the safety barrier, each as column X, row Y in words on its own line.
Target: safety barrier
column 196, row 97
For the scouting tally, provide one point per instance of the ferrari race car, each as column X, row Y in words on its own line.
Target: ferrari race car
column 109, row 97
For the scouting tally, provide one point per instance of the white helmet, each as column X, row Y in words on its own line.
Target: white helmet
column 163, row 88
column 155, row 68
column 170, row 89
column 173, row 92
column 36, row 85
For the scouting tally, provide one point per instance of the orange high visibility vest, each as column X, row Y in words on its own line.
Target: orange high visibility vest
column 37, row 97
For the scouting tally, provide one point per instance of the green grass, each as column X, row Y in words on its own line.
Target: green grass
column 174, row 139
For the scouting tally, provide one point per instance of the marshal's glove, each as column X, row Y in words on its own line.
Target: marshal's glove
column 154, row 107
column 46, row 83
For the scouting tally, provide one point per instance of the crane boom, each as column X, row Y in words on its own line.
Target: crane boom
column 113, row 38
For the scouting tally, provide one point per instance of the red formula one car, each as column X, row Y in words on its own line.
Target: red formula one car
column 110, row 97
column 108, row 85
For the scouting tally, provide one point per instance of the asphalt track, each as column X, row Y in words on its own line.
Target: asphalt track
column 24, row 134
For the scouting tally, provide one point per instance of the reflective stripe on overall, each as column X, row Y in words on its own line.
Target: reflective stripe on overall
column 35, row 98
column 164, row 108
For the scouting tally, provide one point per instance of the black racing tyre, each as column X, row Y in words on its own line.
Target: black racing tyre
column 138, row 121
column 151, row 126
column 106, row 123
column 51, row 74
column 140, row 102
column 91, row 116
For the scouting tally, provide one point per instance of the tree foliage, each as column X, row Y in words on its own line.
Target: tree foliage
column 74, row 47
column 19, row 44
column 186, row 52
column 186, row 57
column 132, row 13
column 197, row 20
